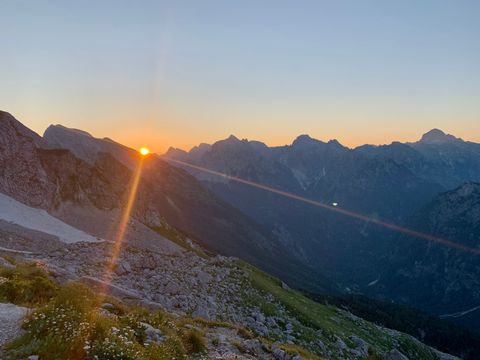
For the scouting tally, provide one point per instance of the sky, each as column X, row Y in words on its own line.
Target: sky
column 178, row 73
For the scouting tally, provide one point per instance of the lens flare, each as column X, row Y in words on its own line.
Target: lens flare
column 336, row 209
column 144, row 151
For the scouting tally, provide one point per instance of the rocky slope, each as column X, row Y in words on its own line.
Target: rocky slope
column 437, row 277
column 227, row 290
column 90, row 192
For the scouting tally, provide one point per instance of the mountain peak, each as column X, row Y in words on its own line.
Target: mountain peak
column 304, row 137
column 232, row 138
column 81, row 132
column 435, row 136
column 305, row 140
column 334, row 142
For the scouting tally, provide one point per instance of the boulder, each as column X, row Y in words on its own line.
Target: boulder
column 279, row 354
column 258, row 317
column 204, row 278
column 285, row 286
column 361, row 348
column 394, row 355
column 172, row 288
column 339, row 344
column 253, row 347
column 6, row 263
column 162, row 300
column 271, row 322
column 120, row 270
column 201, row 312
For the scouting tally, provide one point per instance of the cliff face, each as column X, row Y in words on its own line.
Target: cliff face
column 438, row 277
column 21, row 174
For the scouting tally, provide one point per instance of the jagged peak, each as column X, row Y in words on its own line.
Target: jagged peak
column 174, row 151
column 334, row 142
column 232, row 142
column 200, row 147
column 232, row 138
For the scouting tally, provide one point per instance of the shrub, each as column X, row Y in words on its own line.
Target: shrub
column 194, row 342
column 26, row 284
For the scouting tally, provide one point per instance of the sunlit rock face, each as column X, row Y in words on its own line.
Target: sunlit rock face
column 21, row 174
column 434, row 276
column 84, row 146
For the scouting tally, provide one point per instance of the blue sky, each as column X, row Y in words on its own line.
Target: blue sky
column 177, row 73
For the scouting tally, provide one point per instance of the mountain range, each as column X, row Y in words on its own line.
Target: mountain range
column 394, row 183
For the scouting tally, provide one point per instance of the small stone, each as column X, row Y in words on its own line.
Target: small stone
column 107, row 306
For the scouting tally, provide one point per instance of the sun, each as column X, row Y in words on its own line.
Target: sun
column 144, row 151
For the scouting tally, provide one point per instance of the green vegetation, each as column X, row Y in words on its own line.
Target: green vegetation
column 26, row 284
column 334, row 323
column 420, row 324
column 67, row 322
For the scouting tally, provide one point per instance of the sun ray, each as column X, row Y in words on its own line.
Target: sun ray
column 124, row 222
column 107, row 277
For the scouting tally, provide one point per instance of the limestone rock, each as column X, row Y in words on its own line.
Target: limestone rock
column 394, row 355
column 340, row 344
column 201, row 312
column 172, row 288
column 253, row 347
column 204, row 278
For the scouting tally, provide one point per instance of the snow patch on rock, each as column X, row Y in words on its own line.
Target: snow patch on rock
column 37, row 219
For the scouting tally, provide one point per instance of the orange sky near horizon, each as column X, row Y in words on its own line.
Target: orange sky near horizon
column 149, row 134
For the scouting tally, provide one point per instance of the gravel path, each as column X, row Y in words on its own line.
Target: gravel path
column 11, row 317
